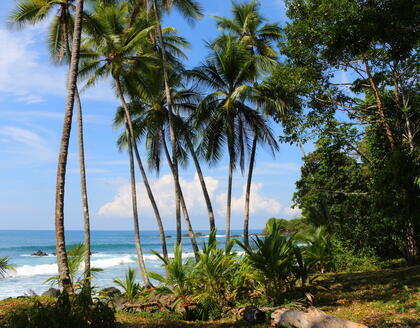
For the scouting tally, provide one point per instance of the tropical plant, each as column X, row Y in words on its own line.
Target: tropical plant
column 191, row 10
column 250, row 28
column 150, row 117
column 75, row 311
column 274, row 258
column 178, row 274
column 215, row 270
column 5, row 266
column 76, row 255
column 223, row 115
column 113, row 49
column 131, row 288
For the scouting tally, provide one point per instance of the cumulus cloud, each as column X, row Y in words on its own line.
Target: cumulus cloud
column 120, row 206
column 258, row 202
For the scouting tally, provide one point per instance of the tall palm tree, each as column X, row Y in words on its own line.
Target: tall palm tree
column 150, row 118
column 112, row 50
column 191, row 10
column 251, row 29
column 31, row 11
column 224, row 114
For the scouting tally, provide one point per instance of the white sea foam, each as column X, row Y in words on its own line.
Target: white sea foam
column 51, row 269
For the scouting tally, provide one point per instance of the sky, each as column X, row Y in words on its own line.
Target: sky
column 32, row 100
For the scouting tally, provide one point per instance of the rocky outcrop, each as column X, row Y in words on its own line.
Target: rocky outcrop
column 309, row 318
column 53, row 292
column 39, row 253
column 111, row 291
column 253, row 315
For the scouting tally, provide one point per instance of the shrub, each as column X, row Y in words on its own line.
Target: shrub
column 347, row 258
column 132, row 289
column 69, row 311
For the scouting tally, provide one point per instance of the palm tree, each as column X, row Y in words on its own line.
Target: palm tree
column 150, row 117
column 191, row 10
column 31, row 11
column 112, row 50
column 223, row 114
column 4, row 266
column 249, row 27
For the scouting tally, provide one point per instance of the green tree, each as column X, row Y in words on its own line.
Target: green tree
column 4, row 266
column 251, row 29
column 112, row 50
column 32, row 12
column 223, row 114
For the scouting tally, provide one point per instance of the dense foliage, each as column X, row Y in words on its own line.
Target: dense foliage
column 68, row 311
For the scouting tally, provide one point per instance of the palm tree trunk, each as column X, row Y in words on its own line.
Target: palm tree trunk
column 62, row 263
column 152, row 201
column 85, row 203
column 229, row 198
column 130, row 141
column 203, row 185
column 182, row 201
column 171, row 125
column 248, row 190
column 139, row 250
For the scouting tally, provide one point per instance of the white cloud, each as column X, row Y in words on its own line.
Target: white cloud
column 27, row 74
column 163, row 190
column 120, row 206
column 24, row 145
column 258, row 202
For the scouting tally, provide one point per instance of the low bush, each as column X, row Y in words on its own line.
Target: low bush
column 69, row 311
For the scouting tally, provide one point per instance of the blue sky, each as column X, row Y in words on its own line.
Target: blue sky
column 32, row 98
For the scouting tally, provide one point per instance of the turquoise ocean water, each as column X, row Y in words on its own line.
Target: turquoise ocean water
column 113, row 251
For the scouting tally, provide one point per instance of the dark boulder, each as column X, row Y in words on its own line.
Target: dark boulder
column 39, row 253
column 111, row 291
column 253, row 315
column 53, row 292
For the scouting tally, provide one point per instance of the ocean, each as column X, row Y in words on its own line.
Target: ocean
column 112, row 251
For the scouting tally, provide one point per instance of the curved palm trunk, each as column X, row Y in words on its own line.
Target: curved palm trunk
column 203, row 185
column 82, row 167
column 248, row 190
column 130, row 139
column 171, row 125
column 139, row 250
column 153, row 202
column 62, row 263
column 229, row 199
column 85, row 203
column 182, row 201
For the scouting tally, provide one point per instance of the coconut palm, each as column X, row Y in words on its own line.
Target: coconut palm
column 32, row 12
column 113, row 50
column 150, row 117
column 223, row 115
column 191, row 10
column 251, row 29
column 4, row 266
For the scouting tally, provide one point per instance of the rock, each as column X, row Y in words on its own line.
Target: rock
column 39, row 253
column 309, row 318
column 111, row 291
column 117, row 303
column 53, row 292
column 168, row 236
column 198, row 234
column 236, row 236
column 253, row 315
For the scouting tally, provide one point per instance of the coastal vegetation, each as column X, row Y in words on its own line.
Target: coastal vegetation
column 359, row 189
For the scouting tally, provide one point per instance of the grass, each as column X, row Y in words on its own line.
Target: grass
column 380, row 299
